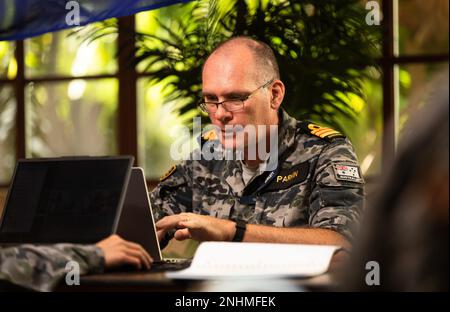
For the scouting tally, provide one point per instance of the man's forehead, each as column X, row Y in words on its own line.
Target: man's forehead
column 236, row 58
column 230, row 73
column 226, row 80
column 226, row 88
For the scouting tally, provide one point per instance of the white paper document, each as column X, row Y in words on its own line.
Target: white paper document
column 233, row 260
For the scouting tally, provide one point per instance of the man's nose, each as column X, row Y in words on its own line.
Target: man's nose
column 222, row 114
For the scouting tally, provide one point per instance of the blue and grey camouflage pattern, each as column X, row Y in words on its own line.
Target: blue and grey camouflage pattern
column 41, row 268
column 319, row 185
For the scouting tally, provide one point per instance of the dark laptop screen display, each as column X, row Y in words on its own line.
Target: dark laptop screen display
column 70, row 200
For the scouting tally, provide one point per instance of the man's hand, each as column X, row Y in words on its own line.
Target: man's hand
column 198, row 227
column 118, row 251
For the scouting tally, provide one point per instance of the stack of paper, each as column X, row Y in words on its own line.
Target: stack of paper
column 230, row 260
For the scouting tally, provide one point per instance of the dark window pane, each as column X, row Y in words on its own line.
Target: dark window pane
column 71, row 118
column 59, row 54
column 423, row 26
column 7, row 132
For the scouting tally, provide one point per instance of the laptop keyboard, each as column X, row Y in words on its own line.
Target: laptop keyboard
column 170, row 264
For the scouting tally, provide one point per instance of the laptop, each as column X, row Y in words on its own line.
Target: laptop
column 137, row 224
column 66, row 199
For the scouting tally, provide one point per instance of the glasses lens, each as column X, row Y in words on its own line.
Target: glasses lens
column 233, row 105
column 209, row 107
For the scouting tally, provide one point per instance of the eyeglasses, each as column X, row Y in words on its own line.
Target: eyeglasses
column 230, row 105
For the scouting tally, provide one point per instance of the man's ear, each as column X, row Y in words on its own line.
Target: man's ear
column 277, row 94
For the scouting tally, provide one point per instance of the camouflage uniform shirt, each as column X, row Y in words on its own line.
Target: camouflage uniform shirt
column 42, row 267
column 318, row 184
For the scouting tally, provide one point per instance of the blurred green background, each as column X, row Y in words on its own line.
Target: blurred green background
column 78, row 116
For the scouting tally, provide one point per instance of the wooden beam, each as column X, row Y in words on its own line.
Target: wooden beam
column 387, row 65
column 19, row 90
column 127, row 118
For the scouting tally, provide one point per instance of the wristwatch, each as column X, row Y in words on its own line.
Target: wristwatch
column 241, row 226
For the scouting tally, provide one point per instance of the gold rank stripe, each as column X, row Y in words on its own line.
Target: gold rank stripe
column 321, row 130
column 324, row 132
column 328, row 133
column 211, row 135
column 168, row 173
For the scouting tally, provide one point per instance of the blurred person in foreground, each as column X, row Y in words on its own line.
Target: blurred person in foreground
column 405, row 229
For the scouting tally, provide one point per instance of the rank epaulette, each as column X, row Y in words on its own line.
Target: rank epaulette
column 168, row 173
column 208, row 136
column 325, row 133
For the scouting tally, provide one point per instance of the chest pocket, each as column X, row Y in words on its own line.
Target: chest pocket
column 285, row 208
column 215, row 205
column 211, row 197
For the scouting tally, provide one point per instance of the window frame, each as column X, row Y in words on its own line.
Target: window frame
column 389, row 63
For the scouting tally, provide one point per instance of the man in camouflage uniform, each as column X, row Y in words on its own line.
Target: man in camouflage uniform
column 42, row 267
column 315, row 194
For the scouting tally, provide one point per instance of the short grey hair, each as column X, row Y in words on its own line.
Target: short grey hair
column 264, row 55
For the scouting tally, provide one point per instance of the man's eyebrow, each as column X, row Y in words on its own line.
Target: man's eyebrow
column 227, row 95
column 208, row 95
column 236, row 94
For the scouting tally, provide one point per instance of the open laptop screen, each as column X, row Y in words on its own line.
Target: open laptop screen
column 65, row 199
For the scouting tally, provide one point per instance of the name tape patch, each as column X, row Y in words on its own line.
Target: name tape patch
column 289, row 177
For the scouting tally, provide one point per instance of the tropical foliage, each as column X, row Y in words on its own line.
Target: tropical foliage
column 323, row 50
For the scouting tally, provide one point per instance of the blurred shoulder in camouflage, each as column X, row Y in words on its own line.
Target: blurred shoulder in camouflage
column 41, row 268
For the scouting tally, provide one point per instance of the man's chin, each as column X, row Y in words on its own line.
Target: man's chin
column 231, row 143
